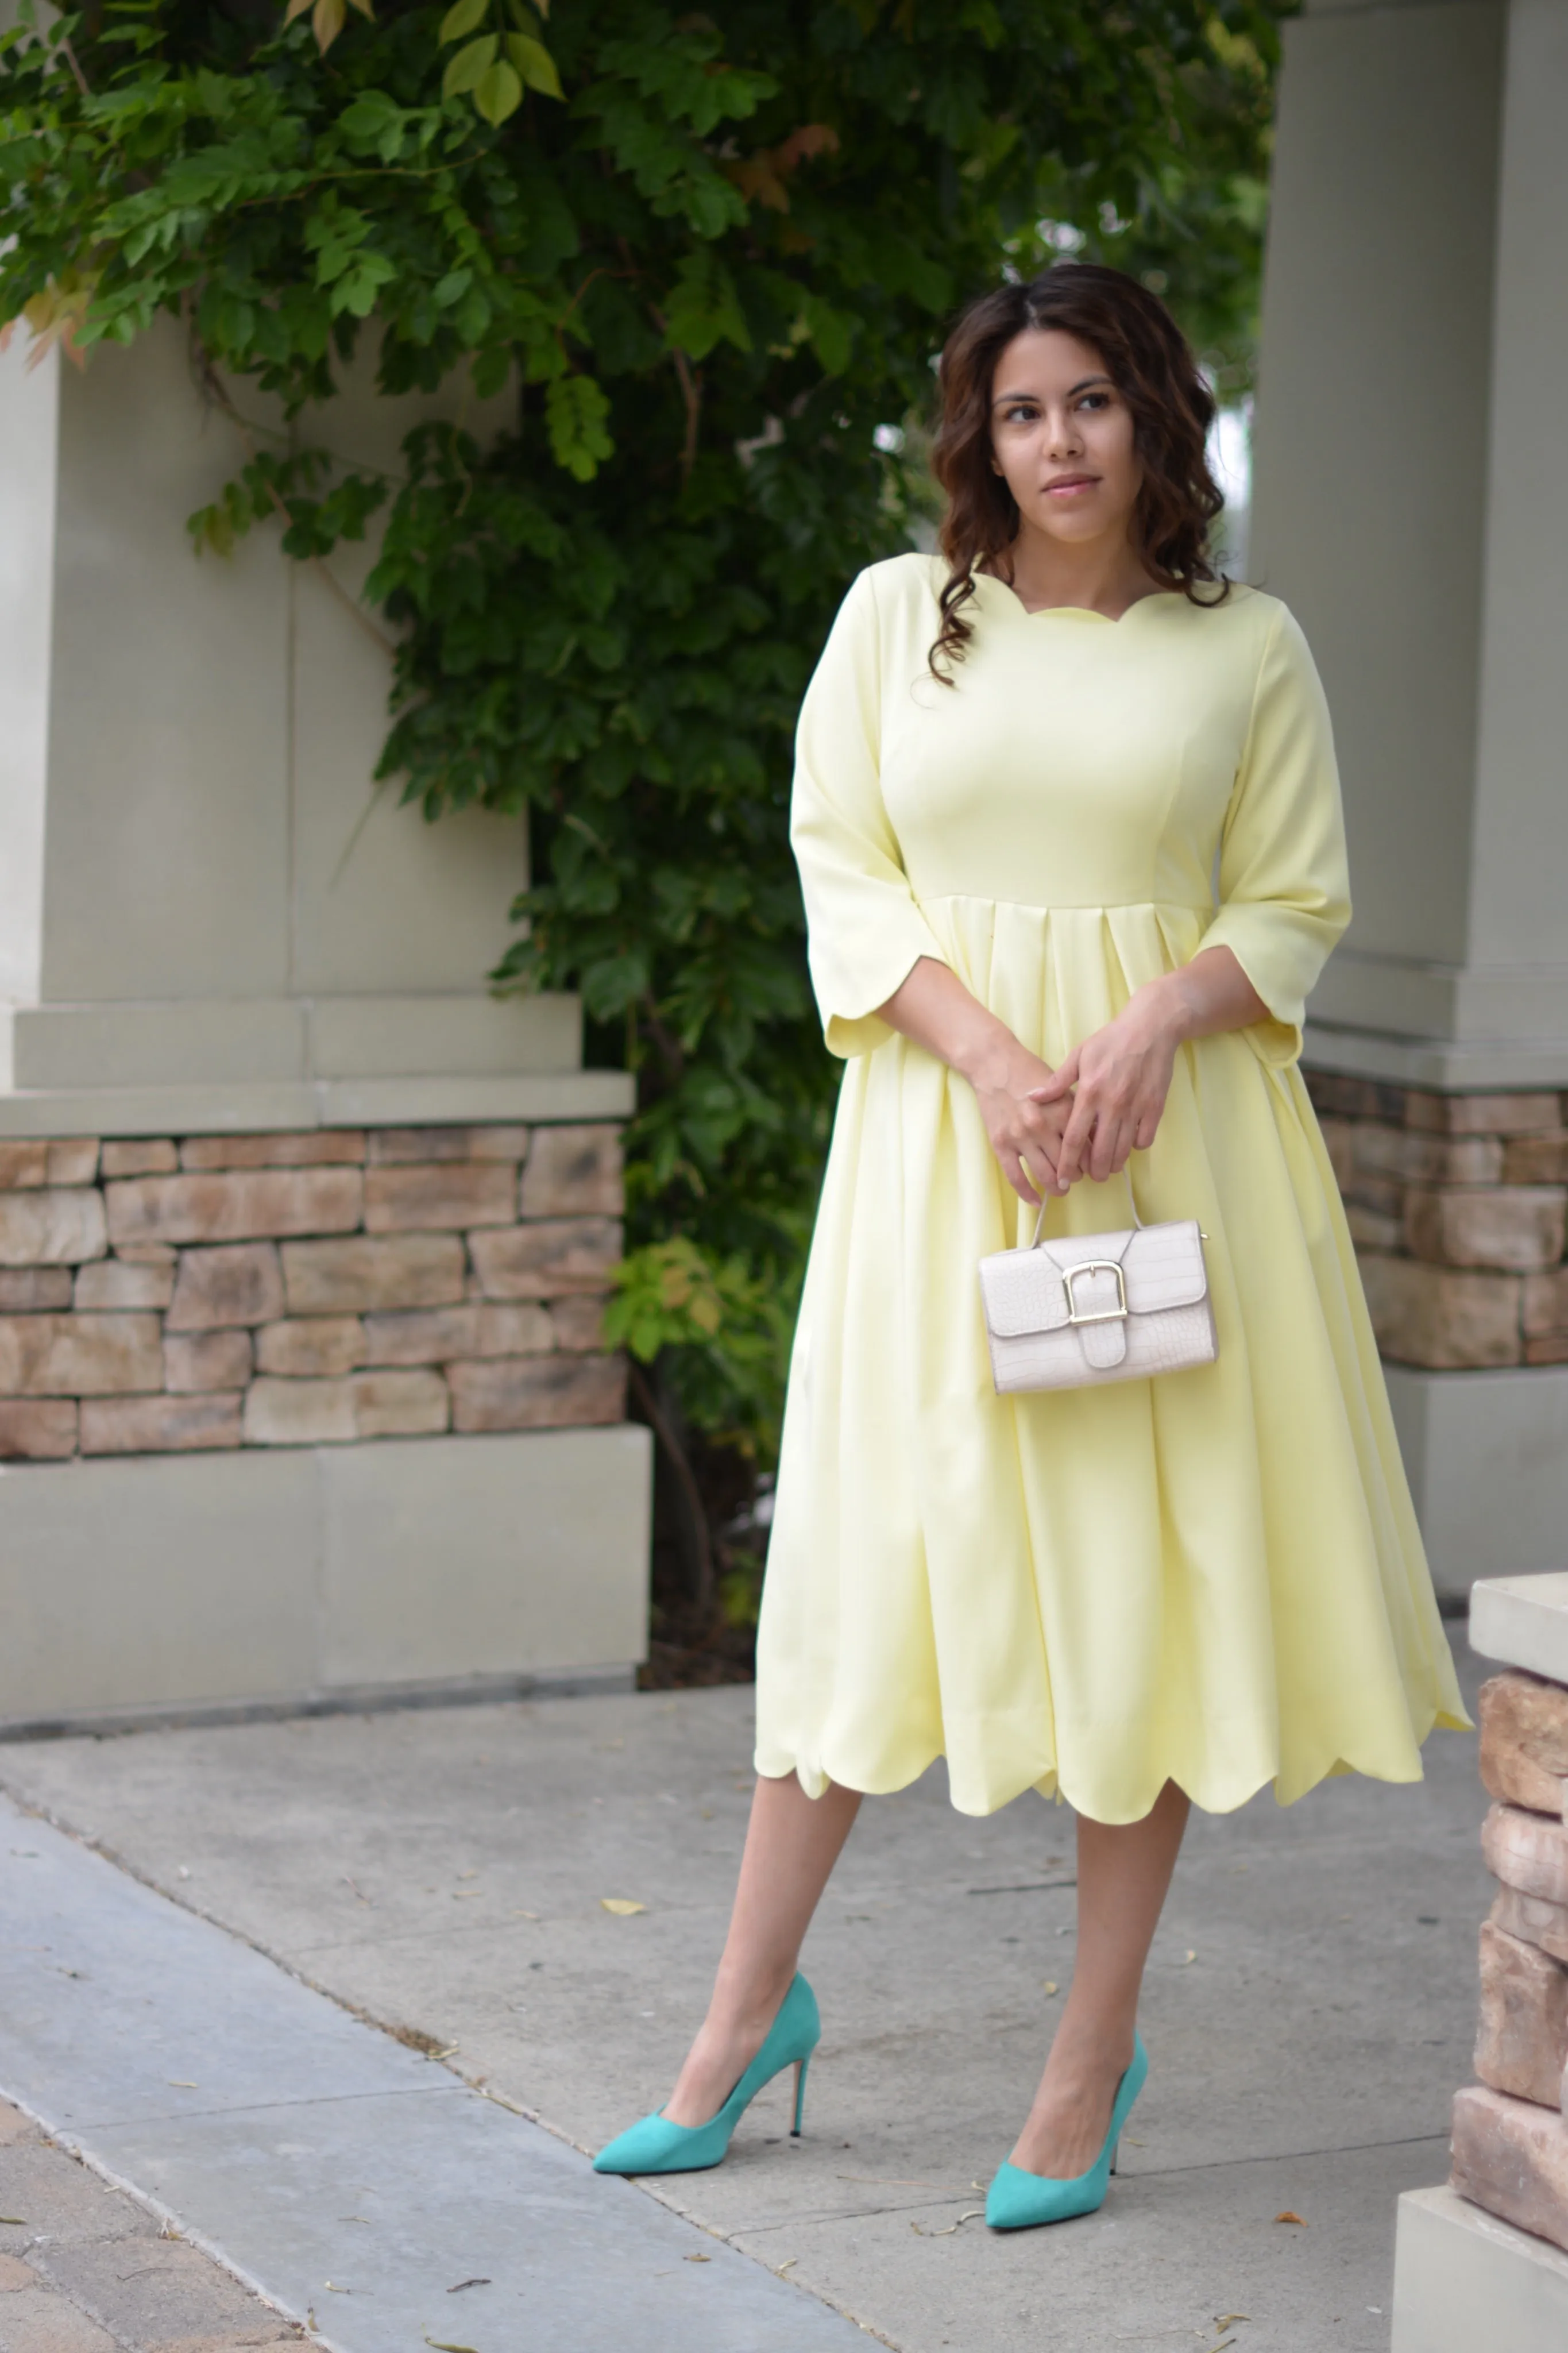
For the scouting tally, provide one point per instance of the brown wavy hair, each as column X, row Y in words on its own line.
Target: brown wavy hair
column 1146, row 356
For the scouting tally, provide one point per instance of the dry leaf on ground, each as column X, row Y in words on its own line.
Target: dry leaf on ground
column 973, row 2215
column 1289, row 2216
column 623, row 1904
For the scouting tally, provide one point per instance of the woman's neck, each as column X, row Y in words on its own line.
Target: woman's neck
column 1101, row 577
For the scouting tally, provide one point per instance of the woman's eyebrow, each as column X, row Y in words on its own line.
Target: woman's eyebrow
column 1004, row 399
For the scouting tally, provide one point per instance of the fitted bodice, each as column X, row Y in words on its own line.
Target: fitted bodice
column 1074, row 760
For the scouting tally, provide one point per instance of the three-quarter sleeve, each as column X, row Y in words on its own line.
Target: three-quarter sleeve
column 1284, row 887
column 865, row 931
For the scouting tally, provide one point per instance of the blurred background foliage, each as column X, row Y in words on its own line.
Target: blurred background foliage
column 708, row 257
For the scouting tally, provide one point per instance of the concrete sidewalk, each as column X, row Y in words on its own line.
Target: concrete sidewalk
column 1310, row 2010
column 85, row 2269
column 332, row 2168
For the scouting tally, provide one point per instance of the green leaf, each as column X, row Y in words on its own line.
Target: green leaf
column 832, row 331
column 534, row 63
column 467, row 69
column 499, row 92
column 375, row 121
column 461, row 19
column 703, row 309
column 576, row 409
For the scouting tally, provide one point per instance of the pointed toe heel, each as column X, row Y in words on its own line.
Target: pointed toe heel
column 1018, row 2200
column 654, row 2144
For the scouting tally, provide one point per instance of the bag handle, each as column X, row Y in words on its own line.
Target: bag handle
column 1047, row 1198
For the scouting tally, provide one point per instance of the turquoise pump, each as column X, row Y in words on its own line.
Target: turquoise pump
column 1018, row 2200
column 654, row 2144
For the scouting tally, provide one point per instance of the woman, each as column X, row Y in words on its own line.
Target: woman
column 1021, row 767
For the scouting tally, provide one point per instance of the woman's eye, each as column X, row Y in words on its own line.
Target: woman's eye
column 1095, row 400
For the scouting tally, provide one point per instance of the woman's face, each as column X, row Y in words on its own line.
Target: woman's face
column 1061, row 436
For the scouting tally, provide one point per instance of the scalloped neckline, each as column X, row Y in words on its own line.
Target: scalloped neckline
column 1082, row 612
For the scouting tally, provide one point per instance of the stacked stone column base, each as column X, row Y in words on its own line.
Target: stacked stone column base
column 1458, row 1209
column 180, row 1295
column 1510, row 2130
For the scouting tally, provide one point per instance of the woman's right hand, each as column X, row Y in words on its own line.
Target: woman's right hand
column 933, row 1007
column 1025, row 1136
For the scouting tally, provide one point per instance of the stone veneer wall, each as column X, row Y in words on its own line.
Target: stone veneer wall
column 1457, row 1205
column 1510, row 2133
column 164, row 1296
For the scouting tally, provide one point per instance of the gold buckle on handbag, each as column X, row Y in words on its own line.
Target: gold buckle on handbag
column 1097, row 1266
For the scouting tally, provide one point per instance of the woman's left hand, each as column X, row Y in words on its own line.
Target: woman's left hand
column 1119, row 1079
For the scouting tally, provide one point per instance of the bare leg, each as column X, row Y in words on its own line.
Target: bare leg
column 791, row 1845
column 1123, row 1872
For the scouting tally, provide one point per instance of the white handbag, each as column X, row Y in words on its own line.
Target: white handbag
column 1098, row 1307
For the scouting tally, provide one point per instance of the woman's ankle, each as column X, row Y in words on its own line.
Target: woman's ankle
column 747, row 2001
column 1088, row 2047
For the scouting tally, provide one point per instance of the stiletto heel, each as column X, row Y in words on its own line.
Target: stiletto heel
column 1018, row 2200
column 654, row 2144
column 800, row 2067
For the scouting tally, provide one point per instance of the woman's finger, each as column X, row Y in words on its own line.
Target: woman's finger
column 1108, row 1153
column 1040, row 1173
column 1072, row 1157
column 1062, row 1080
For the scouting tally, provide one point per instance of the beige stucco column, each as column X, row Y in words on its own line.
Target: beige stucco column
column 206, row 918
column 1411, row 504
column 304, row 1237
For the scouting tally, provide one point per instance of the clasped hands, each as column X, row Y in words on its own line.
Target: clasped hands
column 1048, row 1129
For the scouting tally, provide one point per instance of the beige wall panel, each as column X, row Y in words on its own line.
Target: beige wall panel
column 485, row 1555
column 1464, row 2280
column 1521, row 813
column 1486, row 1457
column 29, row 434
column 167, row 849
column 381, row 900
column 156, row 1581
column 473, row 1036
column 165, row 1045
column 1369, row 480
column 175, row 1580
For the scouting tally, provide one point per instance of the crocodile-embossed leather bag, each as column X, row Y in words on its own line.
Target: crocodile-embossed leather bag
column 1098, row 1307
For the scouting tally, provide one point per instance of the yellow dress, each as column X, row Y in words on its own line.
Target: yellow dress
column 1215, row 1577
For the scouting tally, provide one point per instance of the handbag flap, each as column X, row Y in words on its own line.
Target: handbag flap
column 1023, row 1291
column 1164, row 1267
column 1026, row 1291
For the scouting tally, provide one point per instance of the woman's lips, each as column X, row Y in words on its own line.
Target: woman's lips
column 1068, row 484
